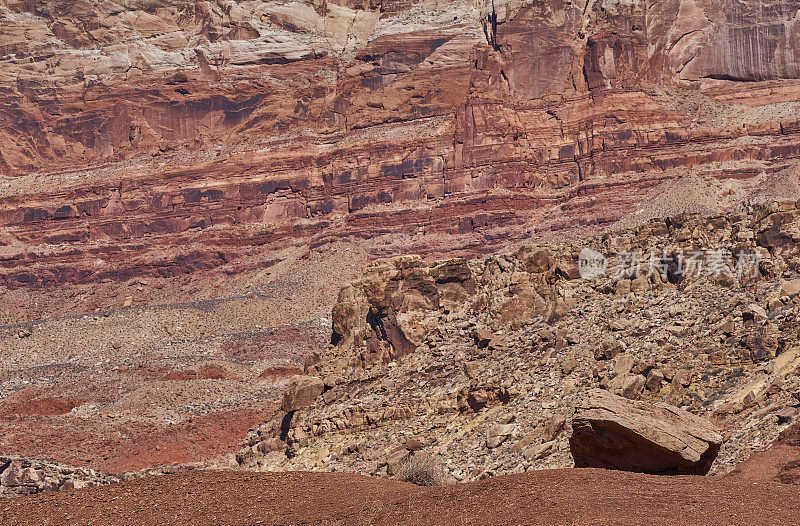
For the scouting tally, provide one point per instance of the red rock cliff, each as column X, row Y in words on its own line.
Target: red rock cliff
column 156, row 139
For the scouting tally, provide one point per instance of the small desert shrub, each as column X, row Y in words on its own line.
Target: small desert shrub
column 423, row 470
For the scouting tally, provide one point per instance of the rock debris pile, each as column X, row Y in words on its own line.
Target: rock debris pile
column 482, row 364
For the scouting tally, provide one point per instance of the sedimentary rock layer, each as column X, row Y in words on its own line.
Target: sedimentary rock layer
column 611, row 432
column 164, row 139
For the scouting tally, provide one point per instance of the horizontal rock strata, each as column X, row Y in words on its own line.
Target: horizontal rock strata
column 168, row 139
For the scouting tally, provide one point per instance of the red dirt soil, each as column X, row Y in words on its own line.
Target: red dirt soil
column 113, row 448
column 779, row 463
column 572, row 496
column 47, row 406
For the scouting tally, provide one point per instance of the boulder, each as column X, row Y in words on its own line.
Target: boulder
column 654, row 380
column 611, row 432
column 609, row 348
column 633, row 386
column 414, row 444
column 540, row 450
column 497, row 434
column 553, row 425
column 790, row 288
column 301, row 392
column 482, row 337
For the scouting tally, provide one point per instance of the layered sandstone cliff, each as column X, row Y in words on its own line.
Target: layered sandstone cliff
column 162, row 140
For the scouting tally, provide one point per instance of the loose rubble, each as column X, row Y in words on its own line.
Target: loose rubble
column 482, row 363
column 26, row 476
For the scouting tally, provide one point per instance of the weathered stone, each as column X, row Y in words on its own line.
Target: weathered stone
column 558, row 309
column 28, row 476
column 654, row 380
column 539, row 451
column 611, row 432
column 527, row 440
column 643, row 367
column 790, row 288
column 682, row 377
column 568, row 365
column 536, row 260
column 633, row 386
column 622, row 287
column 786, row 363
column 482, row 337
column 609, row 347
column 473, row 369
column 757, row 310
column 414, row 444
column 640, row 285
column 553, row 425
column 272, row 444
column 395, row 459
column 301, row 392
column 497, row 434
column 623, row 364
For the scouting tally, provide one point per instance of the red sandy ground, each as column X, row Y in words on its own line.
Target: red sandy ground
column 573, row 496
column 751, row 495
column 208, row 438
column 779, row 463
column 190, row 403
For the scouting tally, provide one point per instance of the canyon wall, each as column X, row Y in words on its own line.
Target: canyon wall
column 161, row 140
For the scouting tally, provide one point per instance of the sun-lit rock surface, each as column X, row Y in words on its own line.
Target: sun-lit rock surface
column 235, row 129
column 161, row 152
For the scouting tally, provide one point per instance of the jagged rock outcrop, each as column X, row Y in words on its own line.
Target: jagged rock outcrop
column 26, row 476
column 495, row 375
column 301, row 392
column 611, row 432
column 224, row 131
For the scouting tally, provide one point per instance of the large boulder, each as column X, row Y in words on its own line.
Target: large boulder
column 301, row 392
column 611, row 432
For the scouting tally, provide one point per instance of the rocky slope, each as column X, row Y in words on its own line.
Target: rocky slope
column 481, row 363
column 156, row 154
column 130, row 389
column 189, row 144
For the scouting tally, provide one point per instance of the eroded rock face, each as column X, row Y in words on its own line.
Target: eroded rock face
column 383, row 313
column 226, row 130
column 301, row 392
column 611, row 432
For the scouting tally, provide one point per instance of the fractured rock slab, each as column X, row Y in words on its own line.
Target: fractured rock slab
column 301, row 392
column 611, row 432
column 27, row 476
